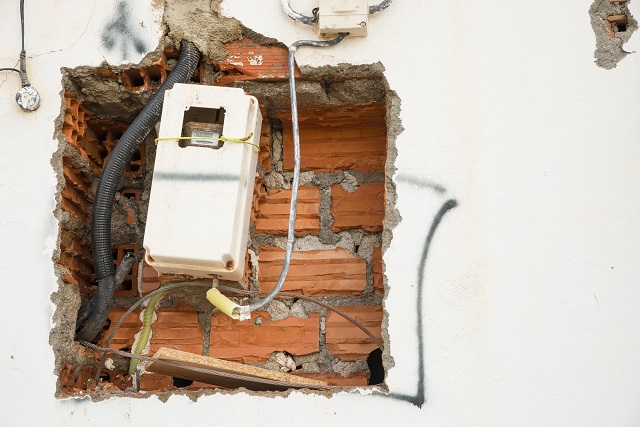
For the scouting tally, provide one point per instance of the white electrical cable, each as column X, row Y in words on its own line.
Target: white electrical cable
column 379, row 7
column 296, row 164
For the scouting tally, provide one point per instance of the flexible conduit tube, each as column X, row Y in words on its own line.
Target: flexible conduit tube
column 379, row 7
column 295, row 15
column 105, row 194
column 296, row 162
column 147, row 318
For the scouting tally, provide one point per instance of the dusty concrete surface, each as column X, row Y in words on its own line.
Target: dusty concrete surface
column 613, row 26
column 199, row 21
column 104, row 94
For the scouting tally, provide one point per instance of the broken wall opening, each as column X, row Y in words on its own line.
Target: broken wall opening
column 613, row 26
column 345, row 215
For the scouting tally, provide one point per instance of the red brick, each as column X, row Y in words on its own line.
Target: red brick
column 617, row 20
column 177, row 328
column 378, row 278
column 346, row 138
column 101, row 137
column 264, row 156
column 364, row 208
column 272, row 213
column 151, row 77
column 348, row 342
column 335, row 379
column 129, row 286
column 246, row 342
column 155, row 382
column 323, row 272
column 75, row 256
column 248, row 60
column 75, row 196
column 71, row 383
column 125, row 334
column 130, row 211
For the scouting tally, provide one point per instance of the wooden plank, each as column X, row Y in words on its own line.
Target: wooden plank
column 254, row 375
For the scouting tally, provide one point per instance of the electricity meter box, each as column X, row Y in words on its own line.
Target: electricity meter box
column 343, row 16
column 202, row 188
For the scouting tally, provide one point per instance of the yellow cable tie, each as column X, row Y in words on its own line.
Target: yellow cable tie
column 244, row 140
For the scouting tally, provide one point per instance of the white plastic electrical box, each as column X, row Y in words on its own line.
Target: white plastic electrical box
column 343, row 16
column 201, row 193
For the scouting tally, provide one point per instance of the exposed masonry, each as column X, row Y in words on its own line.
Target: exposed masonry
column 613, row 26
column 346, row 216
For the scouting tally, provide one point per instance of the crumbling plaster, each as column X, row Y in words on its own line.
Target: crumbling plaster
column 530, row 299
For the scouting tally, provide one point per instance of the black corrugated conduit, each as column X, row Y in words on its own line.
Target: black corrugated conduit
column 97, row 309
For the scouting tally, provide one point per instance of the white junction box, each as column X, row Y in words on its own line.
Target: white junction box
column 343, row 16
column 202, row 189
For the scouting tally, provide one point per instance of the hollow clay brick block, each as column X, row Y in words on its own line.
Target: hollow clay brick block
column 131, row 212
column 322, row 273
column 125, row 334
column 364, row 208
column 132, row 278
column 348, row 342
column 272, row 214
column 246, row 342
column 335, row 379
column 177, row 328
column 347, row 138
column 264, row 156
column 75, row 256
column 248, row 60
column 378, row 280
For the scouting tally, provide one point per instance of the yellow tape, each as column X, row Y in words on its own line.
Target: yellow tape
column 244, row 140
column 223, row 303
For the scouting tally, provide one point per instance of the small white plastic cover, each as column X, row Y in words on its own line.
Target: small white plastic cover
column 200, row 202
column 343, row 16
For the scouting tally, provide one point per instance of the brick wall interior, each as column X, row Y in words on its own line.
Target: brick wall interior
column 338, row 256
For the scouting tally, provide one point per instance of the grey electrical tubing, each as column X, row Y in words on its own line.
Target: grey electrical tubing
column 122, row 272
column 379, row 7
column 297, row 16
column 228, row 289
column 296, row 162
column 105, row 194
column 23, row 54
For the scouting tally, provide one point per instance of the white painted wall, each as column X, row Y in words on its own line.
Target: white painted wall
column 531, row 287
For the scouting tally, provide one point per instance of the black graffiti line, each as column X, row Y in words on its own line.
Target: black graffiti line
column 120, row 30
column 419, row 398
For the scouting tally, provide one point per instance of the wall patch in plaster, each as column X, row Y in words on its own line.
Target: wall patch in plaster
column 613, row 26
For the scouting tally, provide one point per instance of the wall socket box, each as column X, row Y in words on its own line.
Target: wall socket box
column 201, row 193
column 343, row 16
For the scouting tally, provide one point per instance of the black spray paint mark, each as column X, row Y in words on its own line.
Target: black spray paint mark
column 419, row 398
column 121, row 32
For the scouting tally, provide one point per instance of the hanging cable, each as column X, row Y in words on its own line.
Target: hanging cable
column 296, row 166
column 379, row 7
column 27, row 97
column 109, row 180
column 314, row 301
column 171, row 286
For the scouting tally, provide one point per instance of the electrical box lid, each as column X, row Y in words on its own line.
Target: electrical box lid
column 202, row 188
column 343, row 16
